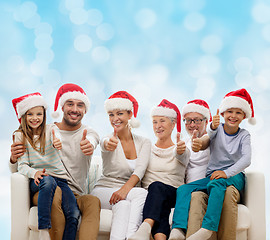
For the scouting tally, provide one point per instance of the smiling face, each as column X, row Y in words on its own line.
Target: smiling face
column 74, row 111
column 163, row 127
column 233, row 117
column 200, row 126
column 119, row 119
column 35, row 117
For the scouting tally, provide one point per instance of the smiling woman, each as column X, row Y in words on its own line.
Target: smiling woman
column 125, row 158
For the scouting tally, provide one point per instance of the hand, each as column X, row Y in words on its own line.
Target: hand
column 117, row 196
column 111, row 145
column 180, row 145
column 39, row 175
column 218, row 174
column 215, row 121
column 17, row 150
column 196, row 143
column 56, row 141
column 86, row 147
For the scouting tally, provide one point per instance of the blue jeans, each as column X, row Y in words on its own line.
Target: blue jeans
column 71, row 211
column 216, row 190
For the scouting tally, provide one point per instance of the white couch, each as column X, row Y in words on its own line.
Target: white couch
column 251, row 216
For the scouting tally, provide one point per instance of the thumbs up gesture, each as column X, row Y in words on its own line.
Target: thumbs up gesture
column 180, row 145
column 196, row 143
column 216, row 121
column 86, row 147
column 112, row 143
column 56, row 141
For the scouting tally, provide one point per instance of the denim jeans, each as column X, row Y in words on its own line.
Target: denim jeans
column 71, row 211
column 216, row 190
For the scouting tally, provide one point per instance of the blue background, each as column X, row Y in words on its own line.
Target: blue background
column 179, row 50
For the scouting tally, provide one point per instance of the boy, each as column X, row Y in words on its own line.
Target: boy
column 230, row 154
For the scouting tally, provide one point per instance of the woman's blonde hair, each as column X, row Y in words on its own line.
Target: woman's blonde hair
column 27, row 133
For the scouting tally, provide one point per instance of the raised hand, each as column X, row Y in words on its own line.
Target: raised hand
column 196, row 143
column 86, row 147
column 215, row 121
column 56, row 141
column 17, row 149
column 180, row 145
column 39, row 175
column 111, row 145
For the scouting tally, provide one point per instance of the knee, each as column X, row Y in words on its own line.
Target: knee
column 88, row 203
column 47, row 182
column 199, row 198
column 182, row 189
column 220, row 183
column 124, row 205
column 155, row 187
column 232, row 196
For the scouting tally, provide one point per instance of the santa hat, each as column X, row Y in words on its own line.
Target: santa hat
column 122, row 100
column 239, row 99
column 24, row 103
column 66, row 92
column 168, row 109
column 198, row 106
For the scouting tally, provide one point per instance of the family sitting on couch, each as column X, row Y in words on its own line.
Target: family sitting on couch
column 140, row 182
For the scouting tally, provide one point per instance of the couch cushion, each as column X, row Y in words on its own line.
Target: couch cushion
column 33, row 219
column 244, row 218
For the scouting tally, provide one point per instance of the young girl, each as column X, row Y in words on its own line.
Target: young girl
column 42, row 164
column 125, row 158
column 230, row 154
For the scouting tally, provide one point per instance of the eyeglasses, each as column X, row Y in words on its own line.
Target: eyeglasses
column 197, row 121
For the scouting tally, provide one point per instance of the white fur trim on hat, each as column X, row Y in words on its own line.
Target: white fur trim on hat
column 192, row 107
column 163, row 111
column 134, row 123
column 74, row 95
column 118, row 103
column 235, row 102
column 28, row 103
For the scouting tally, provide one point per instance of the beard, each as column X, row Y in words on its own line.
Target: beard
column 71, row 123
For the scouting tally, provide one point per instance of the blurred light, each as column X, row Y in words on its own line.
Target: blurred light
column 52, row 78
column 243, row 64
column 194, row 22
column 261, row 13
column 211, row 44
column 3, row 105
column 15, row 64
column 38, row 67
column 145, row 18
column 83, row 43
column 244, row 79
column 25, row 11
column 100, row 54
column 157, row 75
column 262, row 101
column 95, row 17
column 78, row 16
column 43, row 28
column 192, row 5
column 205, row 88
column 72, row 4
column 266, row 32
column 46, row 55
column 105, row 32
column 43, row 41
column 32, row 22
column 208, row 64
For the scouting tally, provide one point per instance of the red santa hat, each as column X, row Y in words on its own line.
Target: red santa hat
column 66, row 92
column 24, row 103
column 122, row 100
column 168, row 109
column 239, row 99
column 198, row 106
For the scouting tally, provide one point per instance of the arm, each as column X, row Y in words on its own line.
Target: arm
column 184, row 157
column 90, row 140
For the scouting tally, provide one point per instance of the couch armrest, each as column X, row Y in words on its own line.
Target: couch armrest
column 20, row 205
column 255, row 201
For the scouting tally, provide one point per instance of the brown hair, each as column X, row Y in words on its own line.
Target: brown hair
column 27, row 133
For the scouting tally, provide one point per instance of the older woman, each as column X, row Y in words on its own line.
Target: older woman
column 165, row 173
column 125, row 158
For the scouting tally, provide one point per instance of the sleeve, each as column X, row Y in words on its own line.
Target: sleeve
column 92, row 137
column 183, row 158
column 24, row 161
column 13, row 167
column 245, row 159
column 212, row 133
column 143, row 158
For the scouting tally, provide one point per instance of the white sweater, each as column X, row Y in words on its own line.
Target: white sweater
column 116, row 170
column 166, row 166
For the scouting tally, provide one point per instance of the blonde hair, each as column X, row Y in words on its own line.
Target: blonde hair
column 27, row 133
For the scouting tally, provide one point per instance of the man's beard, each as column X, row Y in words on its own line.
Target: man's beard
column 71, row 124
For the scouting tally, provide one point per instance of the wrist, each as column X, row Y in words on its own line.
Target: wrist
column 12, row 160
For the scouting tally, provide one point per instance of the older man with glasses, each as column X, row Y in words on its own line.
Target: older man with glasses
column 196, row 115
